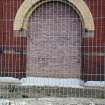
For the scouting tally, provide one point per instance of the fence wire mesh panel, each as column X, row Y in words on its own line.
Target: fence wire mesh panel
column 52, row 48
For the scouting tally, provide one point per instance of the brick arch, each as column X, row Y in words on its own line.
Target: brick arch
column 28, row 6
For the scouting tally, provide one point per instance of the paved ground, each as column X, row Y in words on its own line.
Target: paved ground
column 53, row 101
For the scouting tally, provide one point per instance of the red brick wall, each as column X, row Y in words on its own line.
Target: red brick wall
column 93, row 66
column 15, row 64
column 10, row 64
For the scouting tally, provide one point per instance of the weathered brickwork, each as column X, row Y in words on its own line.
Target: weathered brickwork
column 54, row 41
column 15, row 64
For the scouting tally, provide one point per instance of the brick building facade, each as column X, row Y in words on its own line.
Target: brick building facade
column 13, row 49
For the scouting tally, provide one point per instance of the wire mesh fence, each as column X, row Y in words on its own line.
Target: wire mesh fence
column 53, row 54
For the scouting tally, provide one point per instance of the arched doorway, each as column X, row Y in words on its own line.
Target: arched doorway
column 54, row 41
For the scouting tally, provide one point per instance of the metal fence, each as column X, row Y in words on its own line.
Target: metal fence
column 53, row 54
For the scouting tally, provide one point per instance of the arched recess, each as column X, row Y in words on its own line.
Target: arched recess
column 54, row 41
column 28, row 6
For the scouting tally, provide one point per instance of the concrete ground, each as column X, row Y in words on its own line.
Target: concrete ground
column 53, row 101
